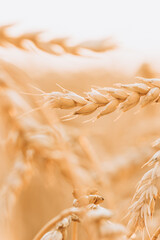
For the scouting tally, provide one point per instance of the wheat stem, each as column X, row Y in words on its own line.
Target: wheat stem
column 156, row 234
column 74, row 231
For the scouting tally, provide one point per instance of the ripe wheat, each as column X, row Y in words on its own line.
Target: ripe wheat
column 125, row 97
column 38, row 139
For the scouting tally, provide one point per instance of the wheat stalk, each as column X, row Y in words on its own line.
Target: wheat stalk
column 156, row 234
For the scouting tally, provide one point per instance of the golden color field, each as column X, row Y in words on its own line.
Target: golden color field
column 79, row 147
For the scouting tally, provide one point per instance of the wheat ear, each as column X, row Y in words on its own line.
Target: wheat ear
column 145, row 197
column 126, row 96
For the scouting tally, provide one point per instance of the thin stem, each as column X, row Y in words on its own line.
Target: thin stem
column 74, row 231
column 156, row 234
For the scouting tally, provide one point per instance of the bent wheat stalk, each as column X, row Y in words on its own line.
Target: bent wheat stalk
column 52, row 223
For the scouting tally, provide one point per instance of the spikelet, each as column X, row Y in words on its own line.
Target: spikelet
column 140, row 88
column 151, row 81
column 114, row 92
column 87, row 109
column 154, row 159
column 151, row 96
column 109, row 108
column 97, row 97
column 130, row 102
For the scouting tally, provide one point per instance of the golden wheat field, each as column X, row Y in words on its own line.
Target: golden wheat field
column 79, row 123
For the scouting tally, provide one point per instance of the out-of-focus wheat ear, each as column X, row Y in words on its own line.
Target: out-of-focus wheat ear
column 59, row 41
column 48, row 46
column 19, row 41
column 18, row 178
column 112, row 230
column 92, row 158
column 3, row 35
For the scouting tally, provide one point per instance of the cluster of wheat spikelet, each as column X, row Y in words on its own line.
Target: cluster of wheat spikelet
column 37, row 138
column 125, row 97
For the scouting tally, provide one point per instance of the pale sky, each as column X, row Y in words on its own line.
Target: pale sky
column 134, row 23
